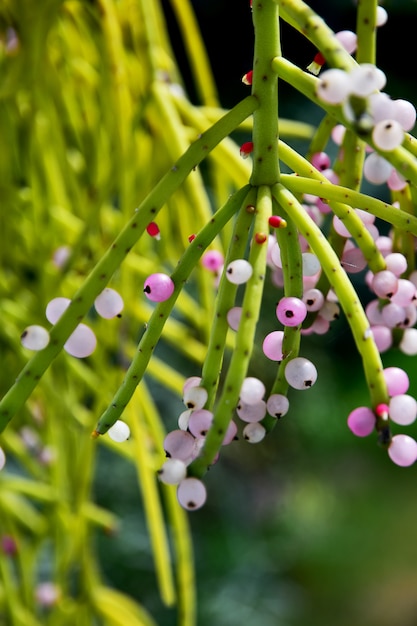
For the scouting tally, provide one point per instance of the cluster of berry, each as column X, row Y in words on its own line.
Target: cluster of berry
column 82, row 342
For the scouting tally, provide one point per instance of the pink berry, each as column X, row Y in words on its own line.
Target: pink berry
column 212, row 260
column 361, row 421
column 158, row 287
column 191, row 493
column 397, row 381
column 321, row 161
column 272, row 345
column 291, row 311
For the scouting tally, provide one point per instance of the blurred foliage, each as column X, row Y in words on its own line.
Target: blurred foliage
column 309, row 527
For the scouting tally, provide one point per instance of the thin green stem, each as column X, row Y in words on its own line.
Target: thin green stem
column 244, row 340
column 402, row 158
column 225, row 300
column 293, row 286
column 387, row 212
column 366, row 31
column 344, row 290
column 265, row 89
column 312, row 26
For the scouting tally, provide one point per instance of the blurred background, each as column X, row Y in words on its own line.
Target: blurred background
column 313, row 526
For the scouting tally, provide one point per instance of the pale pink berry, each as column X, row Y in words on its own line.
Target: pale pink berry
column 397, row 380
column 403, row 450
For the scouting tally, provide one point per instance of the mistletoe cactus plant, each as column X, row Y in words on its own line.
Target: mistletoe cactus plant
column 121, row 240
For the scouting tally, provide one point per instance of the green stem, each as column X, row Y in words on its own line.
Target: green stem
column 101, row 274
column 162, row 310
column 225, row 300
column 366, row 31
column 244, row 340
column 388, row 213
column 264, row 88
column 344, row 290
column 293, row 286
column 402, row 158
column 312, row 26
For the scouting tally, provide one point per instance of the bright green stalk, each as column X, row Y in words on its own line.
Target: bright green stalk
column 312, row 26
column 101, row 274
column 344, row 290
column 264, row 89
column 245, row 337
column 163, row 309
column 366, row 31
column 293, row 286
column 401, row 219
column 225, row 300
column 401, row 158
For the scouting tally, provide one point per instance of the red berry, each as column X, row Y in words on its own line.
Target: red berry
column 245, row 149
column 153, row 230
column 260, row 238
column 277, row 222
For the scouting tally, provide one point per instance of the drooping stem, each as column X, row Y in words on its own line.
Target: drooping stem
column 244, row 340
column 347, row 296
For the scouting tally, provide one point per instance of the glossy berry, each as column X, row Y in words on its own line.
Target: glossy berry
column 376, row 169
column 387, row 135
column 233, row 317
column 81, row 343
column 365, row 79
column 246, row 149
column 55, row 308
column 403, row 409
column 179, row 444
column 384, row 284
column 254, row 412
column 153, row 230
column 191, row 493
column 200, row 422
column 291, row 311
column 35, row 337
column 397, row 381
column 247, row 78
column 195, row 397
column 158, row 287
column 313, row 299
column 252, row 390
column 300, row 373
column 275, row 221
column 277, row 405
column 109, row 303
column 172, row 472
column 361, row 421
column 239, row 271
column 334, row 86
column 119, row 432
column 254, row 432
column 272, row 345
column 403, row 450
